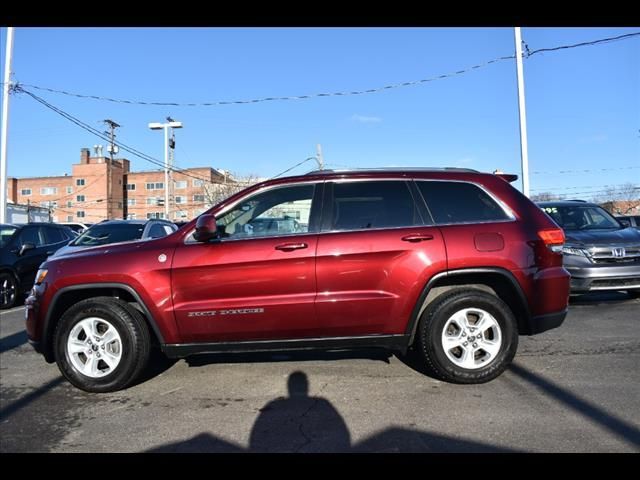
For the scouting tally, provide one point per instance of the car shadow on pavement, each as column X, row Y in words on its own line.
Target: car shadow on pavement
column 287, row 356
column 596, row 414
column 600, row 298
column 300, row 423
column 12, row 341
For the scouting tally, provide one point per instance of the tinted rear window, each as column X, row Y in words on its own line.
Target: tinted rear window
column 364, row 205
column 458, row 202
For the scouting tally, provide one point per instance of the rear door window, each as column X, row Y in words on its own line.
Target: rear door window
column 372, row 204
column 459, row 202
column 54, row 235
column 31, row 235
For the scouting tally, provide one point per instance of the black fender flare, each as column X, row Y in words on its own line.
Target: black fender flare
column 414, row 320
column 47, row 332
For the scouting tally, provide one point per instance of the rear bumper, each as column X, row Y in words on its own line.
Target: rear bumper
column 542, row 323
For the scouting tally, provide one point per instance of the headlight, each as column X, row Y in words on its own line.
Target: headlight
column 575, row 251
column 40, row 276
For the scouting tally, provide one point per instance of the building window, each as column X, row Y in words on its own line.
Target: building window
column 25, row 191
column 198, row 183
column 120, row 205
column 198, row 198
column 131, row 201
column 80, row 214
column 79, row 198
column 181, row 184
column 48, row 190
column 181, row 214
column 69, row 189
column 119, row 181
column 131, row 216
column 69, row 218
column 152, row 200
column 79, row 182
column 181, row 199
column 151, row 215
column 131, row 186
column 69, row 204
column 49, row 204
column 155, row 186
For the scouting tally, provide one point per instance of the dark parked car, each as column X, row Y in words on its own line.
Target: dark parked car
column 116, row 231
column 451, row 263
column 600, row 252
column 629, row 220
column 22, row 249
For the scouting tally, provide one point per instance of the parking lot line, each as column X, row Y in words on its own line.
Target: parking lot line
column 14, row 309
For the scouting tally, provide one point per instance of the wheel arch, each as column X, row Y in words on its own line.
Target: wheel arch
column 497, row 281
column 68, row 296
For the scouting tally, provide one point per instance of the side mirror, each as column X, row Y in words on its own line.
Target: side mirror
column 25, row 248
column 206, row 228
column 625, row 222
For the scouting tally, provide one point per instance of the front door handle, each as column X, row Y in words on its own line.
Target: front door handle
column 417, row 237
column 288, row 247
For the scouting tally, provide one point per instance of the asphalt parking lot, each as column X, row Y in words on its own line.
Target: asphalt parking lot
column 573, row 389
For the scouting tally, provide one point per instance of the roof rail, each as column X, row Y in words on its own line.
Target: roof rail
column 577, row 200
column 393, row 169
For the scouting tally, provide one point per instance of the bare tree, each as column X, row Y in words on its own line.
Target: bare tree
column 544, row 197
column 620, row 200
column 217, row 192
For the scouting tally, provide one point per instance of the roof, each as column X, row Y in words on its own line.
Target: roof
column 564, row 203
column 393, row 169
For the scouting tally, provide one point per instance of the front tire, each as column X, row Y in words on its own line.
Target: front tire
column 467, row 336
column 8, row 291
column 101, row 344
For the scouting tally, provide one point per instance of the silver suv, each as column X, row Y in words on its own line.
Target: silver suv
column 117, row 231
column 600, row 252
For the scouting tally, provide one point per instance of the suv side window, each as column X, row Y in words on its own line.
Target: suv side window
column 31, row 235
column 157, row 230
column 53, row 235
column 279, row 211
column 459, row 202
column 372, row 204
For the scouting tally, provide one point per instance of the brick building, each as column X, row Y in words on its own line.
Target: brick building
column 100, row 189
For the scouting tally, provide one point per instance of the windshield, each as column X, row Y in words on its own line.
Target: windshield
column 104, row 234
column 6, row 232
column 582, row 217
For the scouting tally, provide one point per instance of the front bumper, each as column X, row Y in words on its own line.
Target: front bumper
column 604, row 277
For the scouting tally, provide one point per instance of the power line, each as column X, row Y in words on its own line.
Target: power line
column 291, row 168
column 550, row 172
column 584, row 44
column 330, row 94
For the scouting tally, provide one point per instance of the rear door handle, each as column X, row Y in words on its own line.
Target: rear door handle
column 288, row 247
column 417, row 237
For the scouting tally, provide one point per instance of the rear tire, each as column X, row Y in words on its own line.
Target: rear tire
column 467, row 336
column 101, row 344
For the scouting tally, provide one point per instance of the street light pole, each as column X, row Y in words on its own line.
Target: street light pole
column 5, row 126
column 166, row 126
column 524, row 149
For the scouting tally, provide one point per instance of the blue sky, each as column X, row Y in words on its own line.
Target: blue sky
column 583, row 104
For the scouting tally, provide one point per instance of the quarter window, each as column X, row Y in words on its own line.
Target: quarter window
column 460, row 202
column 366, row 205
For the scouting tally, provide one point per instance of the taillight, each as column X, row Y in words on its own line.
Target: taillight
column 553, row 238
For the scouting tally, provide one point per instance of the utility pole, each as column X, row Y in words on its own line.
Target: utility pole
column 524, row 149
column 112, row 149
column 319, row 156
column 166, row 126
column 6, row 88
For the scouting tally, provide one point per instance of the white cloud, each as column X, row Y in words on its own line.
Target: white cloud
column 365, row 119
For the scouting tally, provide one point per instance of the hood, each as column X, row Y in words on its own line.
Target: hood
column 588, row 238
column 69, row 251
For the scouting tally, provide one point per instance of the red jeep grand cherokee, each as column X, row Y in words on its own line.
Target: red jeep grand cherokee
column 452, row 262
